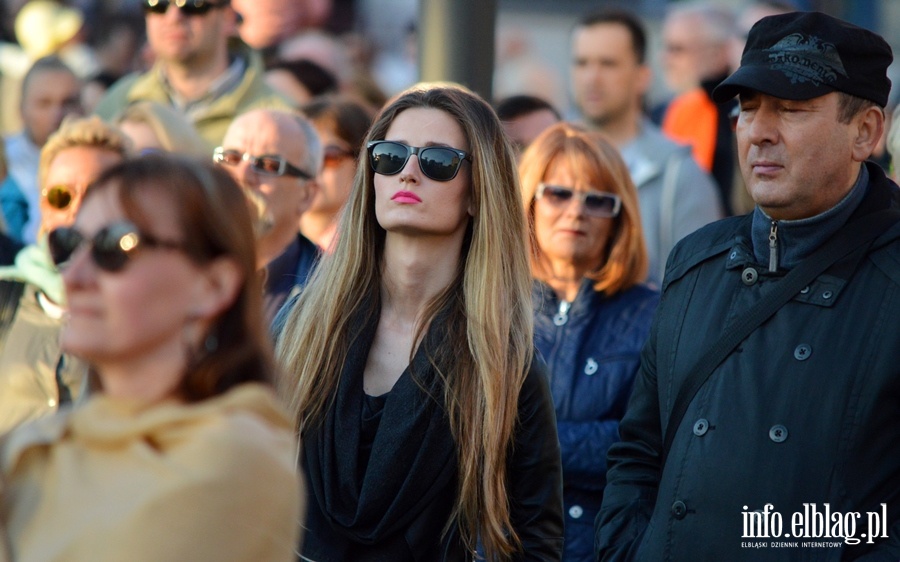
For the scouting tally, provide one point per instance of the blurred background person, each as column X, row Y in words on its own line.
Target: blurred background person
column 426, row 425
column 50, row 93
column 201, row 69
column 266, row 22
column 892, row 145
column 117, row 39
column 8, row 246
column 524, row 117
column 696, row 58
column 610, row 78
column 35, row 376
column 300, row 80
column 275, row 157
column 41, row 28
column 152, row 126
column 592, row 310
column 184, row 453
column 341, row 123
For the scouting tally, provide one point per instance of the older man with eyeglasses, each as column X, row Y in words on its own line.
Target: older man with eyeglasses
column 201, row 68
column 274, row 155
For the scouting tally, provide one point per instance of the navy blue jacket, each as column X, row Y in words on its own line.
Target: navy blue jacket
column 592, row 348
column 289, row 272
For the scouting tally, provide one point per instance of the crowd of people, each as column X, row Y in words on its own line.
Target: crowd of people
column 253, row 307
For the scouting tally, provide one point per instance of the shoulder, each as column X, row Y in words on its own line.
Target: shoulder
column 657, row 145
column 116, row 97
column 886, row 253
column 639, row 296
column 243, row 430
column 704, row 243
column 256, row 91
column 534, row 397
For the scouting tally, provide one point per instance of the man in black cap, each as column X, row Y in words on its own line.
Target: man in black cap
column 765, row 419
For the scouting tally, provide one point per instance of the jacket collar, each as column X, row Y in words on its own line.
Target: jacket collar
column 794, row 240
column 149, row 86
column 546, row 302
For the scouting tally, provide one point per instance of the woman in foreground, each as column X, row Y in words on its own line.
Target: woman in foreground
column 427, row 428
column 184, row 453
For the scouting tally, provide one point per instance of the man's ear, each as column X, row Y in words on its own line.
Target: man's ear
column 868, row 130
column 310, row 190
column 217, row 286
column 644, row 78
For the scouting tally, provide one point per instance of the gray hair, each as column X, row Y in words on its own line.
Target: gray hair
column 314, row 151
column 717, row 23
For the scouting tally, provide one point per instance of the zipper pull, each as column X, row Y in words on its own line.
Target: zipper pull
column 563, row 315
column 773, row 247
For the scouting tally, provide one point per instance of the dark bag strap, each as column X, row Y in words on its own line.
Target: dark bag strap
column 860, row 232
column 10, row 293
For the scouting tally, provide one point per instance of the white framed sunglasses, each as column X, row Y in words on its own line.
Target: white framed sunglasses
column 598, row 204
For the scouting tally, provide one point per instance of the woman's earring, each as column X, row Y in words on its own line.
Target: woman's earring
column 211, row 343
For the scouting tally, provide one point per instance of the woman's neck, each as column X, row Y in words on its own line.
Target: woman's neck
column 152, row 377
column 565, row 278
column 415, row 270
column 318, row 227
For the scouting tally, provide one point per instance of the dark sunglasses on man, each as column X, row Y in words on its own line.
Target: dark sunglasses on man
column 267, row 164
column 187, row 7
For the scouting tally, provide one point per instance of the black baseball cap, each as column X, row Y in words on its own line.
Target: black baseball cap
column 804, row 55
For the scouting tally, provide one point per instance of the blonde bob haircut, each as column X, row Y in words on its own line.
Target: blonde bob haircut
column 489, row 322
column 593, row 158
column 90, row 132
column 175, row 133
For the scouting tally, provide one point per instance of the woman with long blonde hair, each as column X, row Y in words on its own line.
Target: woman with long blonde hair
column 426, row 426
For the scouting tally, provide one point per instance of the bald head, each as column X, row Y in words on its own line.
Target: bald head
column 273, row 156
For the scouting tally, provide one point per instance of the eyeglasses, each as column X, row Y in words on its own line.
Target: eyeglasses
column 267, row 164
column 60, row 197
column 597, row 204
column 334, row 155
column 440, row 163
column 111, row 248
column 187, row 7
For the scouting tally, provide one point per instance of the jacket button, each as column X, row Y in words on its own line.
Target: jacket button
column 778, row 433
column 827, row 295
column 804, row 290
column 802, row 352
column 575, row 511
column 679, row 510
column 590, row 367
column 701, row 426
column 749, row 276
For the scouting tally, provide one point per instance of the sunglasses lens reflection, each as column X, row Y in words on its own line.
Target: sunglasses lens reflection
column 437, row 163
column 111, row 247
column 268, row 165
column 189, row 8
column 388, row 158
column 600, row 205
column 62, row 243
column 59, row 197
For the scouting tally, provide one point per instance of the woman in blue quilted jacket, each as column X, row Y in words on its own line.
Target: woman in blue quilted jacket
column 592, row 309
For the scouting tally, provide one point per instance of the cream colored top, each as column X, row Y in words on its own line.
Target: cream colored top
column 116, row 481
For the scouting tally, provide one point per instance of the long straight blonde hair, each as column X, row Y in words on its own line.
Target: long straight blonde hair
column 489, row 324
